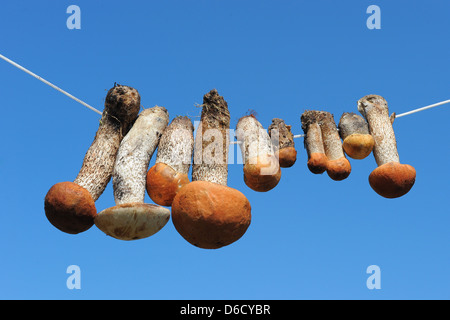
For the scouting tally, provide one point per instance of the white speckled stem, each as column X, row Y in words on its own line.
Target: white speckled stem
column 255, row 140
column 375, row 109
column 122, row 106
column 212, row 141
column 331, row 140
column 313, row 132
column 177, row 144
column 135, row 152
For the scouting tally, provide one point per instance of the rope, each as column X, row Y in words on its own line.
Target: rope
column 233, row 142
column 49, row 83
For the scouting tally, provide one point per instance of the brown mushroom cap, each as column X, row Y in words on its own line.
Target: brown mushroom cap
column 287, row 157
column 209, row 215
column 163, row 183
column 262, row 173
column 132, row 221
column 392, row 180
column 317, row 162
column 358, row 146
column 339, row 169
column 70, row 208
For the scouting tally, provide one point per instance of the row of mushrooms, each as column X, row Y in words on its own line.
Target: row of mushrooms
column 204, row 210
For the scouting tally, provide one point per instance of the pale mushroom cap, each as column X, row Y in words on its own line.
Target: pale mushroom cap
column 358, row 146
column 132, row 221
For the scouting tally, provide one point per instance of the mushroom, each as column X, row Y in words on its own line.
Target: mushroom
column 131, row 218
column 354, row 131
column 70, row 206
column 317, row 160
column 390, row 179
column 261, row 167
column 338, row 166
column 173, row 160
column 285, row 148
column 206, row 212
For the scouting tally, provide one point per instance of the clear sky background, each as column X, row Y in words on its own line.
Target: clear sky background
column 310, row 237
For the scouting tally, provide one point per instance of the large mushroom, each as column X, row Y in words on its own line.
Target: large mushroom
column 70, row 206
column 261, row 167
column 206, row 212
column 173, row 161
column 390, row 179
column 131, row 218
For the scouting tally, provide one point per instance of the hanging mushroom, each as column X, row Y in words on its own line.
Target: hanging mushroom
column 206, row 212
column 70, row 206
column 173, row 160
column 390, row 179
column 285, row 148
column 261, row 168
column 354, row 131
column 317, row 160
column 338, row 166
column 131, row 218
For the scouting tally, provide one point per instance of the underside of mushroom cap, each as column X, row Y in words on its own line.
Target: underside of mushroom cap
column 209, row 215
column 392, row 180
column 262, row 173
column 163, row 183
column 70, row 207
column 132, row 221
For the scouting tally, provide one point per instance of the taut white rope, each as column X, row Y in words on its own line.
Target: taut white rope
column 49, row 83
column 423, row 108
column 234, row 142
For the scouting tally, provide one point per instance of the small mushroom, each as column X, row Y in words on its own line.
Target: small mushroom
column 338, row 166
column 70, row 206
column 173, row 160
column 206, row 212
column 390, row 179
column 131, row 218
column 285, row 149
column 261, row 168
column 317, row 160
column 354, row 131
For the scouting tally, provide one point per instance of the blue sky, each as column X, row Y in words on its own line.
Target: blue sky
column 310, row 237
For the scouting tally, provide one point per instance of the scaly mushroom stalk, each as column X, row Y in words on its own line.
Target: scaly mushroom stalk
column 131, row 218
column 285, row 149
column 357, row 141
column 205, row 212
column 173, row 160
column 261, row 168
column 70, row 206
column 338, row 166
column 390, row 179
column 317, row 160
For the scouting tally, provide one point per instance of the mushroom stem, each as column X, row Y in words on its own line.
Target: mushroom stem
column 317, row 160
column 131, row 219
column 122, row 106
column 173, row 160
column 212, row 141
column 338, row 167
column 261, row 168
column 285, row 148
column 70, row 206
column 375, row 109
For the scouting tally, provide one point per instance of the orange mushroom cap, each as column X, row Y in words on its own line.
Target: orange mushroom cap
column 392, row 180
